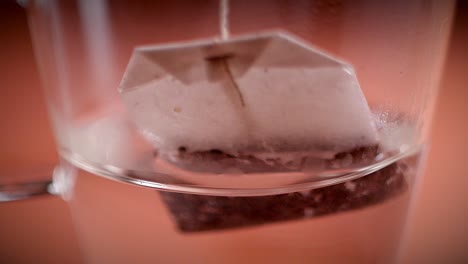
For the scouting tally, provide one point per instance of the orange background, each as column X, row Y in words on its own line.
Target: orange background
column 41, row 230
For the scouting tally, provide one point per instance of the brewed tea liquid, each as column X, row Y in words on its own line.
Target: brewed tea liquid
column 123, row 223
column 120, row 223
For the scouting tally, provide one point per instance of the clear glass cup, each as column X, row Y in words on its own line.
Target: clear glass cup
column 132, row 203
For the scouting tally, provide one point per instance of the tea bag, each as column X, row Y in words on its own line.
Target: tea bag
column 263, row 102
column 268, row 97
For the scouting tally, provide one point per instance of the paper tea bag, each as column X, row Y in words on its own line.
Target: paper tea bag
column 259, row 103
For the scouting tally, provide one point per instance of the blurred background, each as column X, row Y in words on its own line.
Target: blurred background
column 41, row 230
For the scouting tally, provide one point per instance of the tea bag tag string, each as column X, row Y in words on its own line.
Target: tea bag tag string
column 223, row 61
column 223, row 19
column 233, row 88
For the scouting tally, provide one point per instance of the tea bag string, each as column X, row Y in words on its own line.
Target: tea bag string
column 223, row 61
column 232, row 87
column 223, row 21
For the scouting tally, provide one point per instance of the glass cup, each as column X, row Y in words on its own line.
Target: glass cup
column 333, row 139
